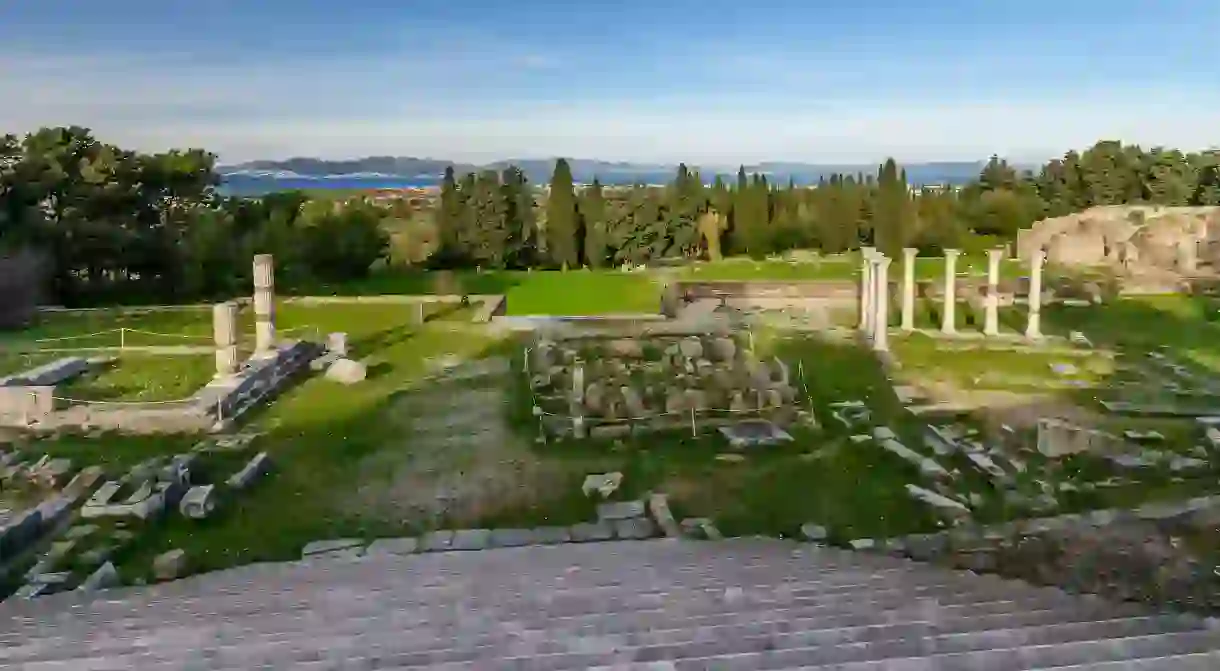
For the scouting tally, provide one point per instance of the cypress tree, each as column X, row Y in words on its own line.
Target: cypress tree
column 561, row 218
column 593, row 214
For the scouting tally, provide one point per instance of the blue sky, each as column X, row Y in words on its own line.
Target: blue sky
column 707, row 82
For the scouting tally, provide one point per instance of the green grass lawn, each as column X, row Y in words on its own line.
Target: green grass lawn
column 11, row 363
column 925, row 358
column 142, row 377
column 573, row 292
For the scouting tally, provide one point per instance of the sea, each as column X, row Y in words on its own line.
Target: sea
column 241, row 184
column 247, row 184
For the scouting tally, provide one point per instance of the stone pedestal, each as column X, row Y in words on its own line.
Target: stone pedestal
column 1033, row 328
column 866, row 288
column 949, row 313
column 881, row 320
column 264, row 304
column 908, row 288
column 224, row 332
column 992, row 322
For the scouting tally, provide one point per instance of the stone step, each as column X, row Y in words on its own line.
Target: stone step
column 566, row 602
column 434, row 626
column 743, row 604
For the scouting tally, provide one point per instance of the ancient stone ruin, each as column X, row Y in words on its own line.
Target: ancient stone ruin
column 875, row 301
column 1133, row 240
column 29, row 400
column 613, row 386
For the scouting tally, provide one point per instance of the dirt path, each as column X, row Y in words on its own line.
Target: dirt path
column 457, row 458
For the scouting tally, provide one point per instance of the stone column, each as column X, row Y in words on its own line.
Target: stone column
column 576, row 400
column 881, row 321
column 1033, row 329
column 908, row 288
column 224, row 332
column 992, row 323
column 264, row 304
column 949, row 317
column 866, row 287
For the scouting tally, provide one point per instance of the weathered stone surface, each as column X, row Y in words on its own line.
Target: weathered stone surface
column 626, row 347
column 105, row 577
column 198, row 502
column 511, row 538
column 257, row 467
column 636, row 528
column 470, row 539
column 592, row 531
column 814, row 532
column 347, row 371
column 393, row 546
column 170, row 565
column 551, row 535
column 436, row 541
column 620, row 510
column 602, row 484
column 319, row 547
column 658, row 506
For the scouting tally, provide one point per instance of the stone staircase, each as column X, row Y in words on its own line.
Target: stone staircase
column 740, row 604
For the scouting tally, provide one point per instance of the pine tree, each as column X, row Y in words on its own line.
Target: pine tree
column 561, row 218
column 593, row 214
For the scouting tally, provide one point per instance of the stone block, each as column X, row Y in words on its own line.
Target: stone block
column 347, row 371
column 620, row 510
column 336, row 343
column 436, row 541
column 511, row 538
column 470, row 539
column 393, row 546
column 257, row 467
column 199, row 502
column 814, row 532
column 594, row 531
column 658, row 506
column 106, row 576
column 170, row 565
column 551, row 535
column 604, row 484
column 636, row 528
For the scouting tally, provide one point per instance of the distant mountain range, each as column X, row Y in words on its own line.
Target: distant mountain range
column 403, row 171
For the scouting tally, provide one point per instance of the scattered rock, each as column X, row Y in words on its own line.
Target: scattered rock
column 658, row 505
column 347, row 371
column 170, row 565
column 814, row 532
column 604, row 484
